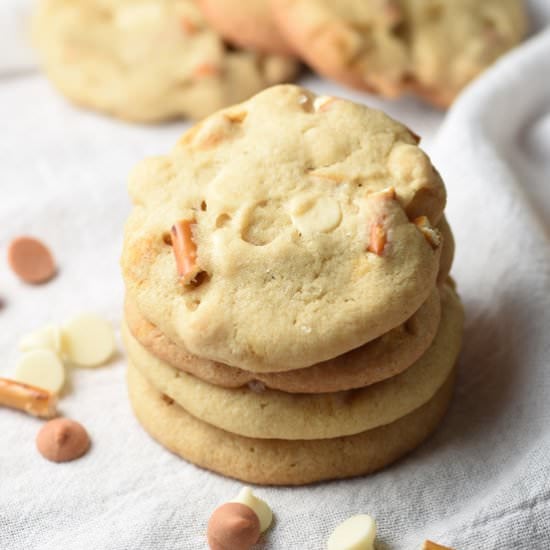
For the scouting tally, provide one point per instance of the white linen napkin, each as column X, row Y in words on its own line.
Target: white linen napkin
column 480, row 483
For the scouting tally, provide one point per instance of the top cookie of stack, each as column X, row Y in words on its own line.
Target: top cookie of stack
column 432, row 48
column 297, row 227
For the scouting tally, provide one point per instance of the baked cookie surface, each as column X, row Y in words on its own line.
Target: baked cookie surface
column 146, row 60
column 247, row 24
column 431, row 47
column 278, row 462
column 279, row 415
column 302, row 231
column 377, row 360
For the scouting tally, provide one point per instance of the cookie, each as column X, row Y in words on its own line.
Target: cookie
column 147, row 60
column 377, row 360
column 288, row 203
column 279, row 462
column 272, row 414
column 246, row 24
column 429, row 47
column 447, row 251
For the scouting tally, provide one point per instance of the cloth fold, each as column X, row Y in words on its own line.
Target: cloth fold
column 482, row 480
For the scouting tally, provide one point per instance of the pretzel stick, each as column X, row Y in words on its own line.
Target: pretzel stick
column 30, row 399
column 185, row 251
column 377, row 240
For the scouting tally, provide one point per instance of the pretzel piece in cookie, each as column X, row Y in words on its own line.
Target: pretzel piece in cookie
column 30, row 399
column 185, row 251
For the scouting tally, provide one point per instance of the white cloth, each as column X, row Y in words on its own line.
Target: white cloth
column 480, row 483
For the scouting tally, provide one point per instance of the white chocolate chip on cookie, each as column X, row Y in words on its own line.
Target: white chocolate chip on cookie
column 356, row 533
column 320, row 215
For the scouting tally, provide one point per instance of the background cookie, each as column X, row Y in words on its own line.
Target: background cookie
column 278, row 415
column 277, row 462
column 247, row 24
column 146, row 60
column 430, row 47
column 320, row 232
column 377, row 360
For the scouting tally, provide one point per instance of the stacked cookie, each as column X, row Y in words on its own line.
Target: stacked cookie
column 147, row 60
column 431, row 48
column 289, row 316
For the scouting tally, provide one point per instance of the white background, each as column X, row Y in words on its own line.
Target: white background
column 480, row 483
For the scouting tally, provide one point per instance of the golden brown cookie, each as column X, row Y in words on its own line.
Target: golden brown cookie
column 430, row 47
column 275, row 414
column 246, row 24
column 290, row 203
column 147, row 60
column 279, row 462
column 377, row 360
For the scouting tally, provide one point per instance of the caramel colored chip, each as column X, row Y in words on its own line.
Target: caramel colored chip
column 31, row 260
column 62, row 440
column 233, row 526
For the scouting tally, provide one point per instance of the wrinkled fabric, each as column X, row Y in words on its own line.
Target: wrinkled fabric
column 481, row 482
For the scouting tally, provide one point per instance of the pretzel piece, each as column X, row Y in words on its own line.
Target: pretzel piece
column 185, row 251
column 30, row 399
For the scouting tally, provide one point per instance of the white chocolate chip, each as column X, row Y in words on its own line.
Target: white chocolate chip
column 260, row 508
column 47, row 337
column 138, row 14
column 315, row 215
column 41, row 368
column 356, row 533
column 88, row 340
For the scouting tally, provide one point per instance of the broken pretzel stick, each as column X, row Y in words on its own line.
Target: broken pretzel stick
column 30, row 399
column 377, row 240
column 185, row 251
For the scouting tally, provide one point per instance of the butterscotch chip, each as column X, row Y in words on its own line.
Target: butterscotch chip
column 62, row 440
column 233, row 526
column 31, row 260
